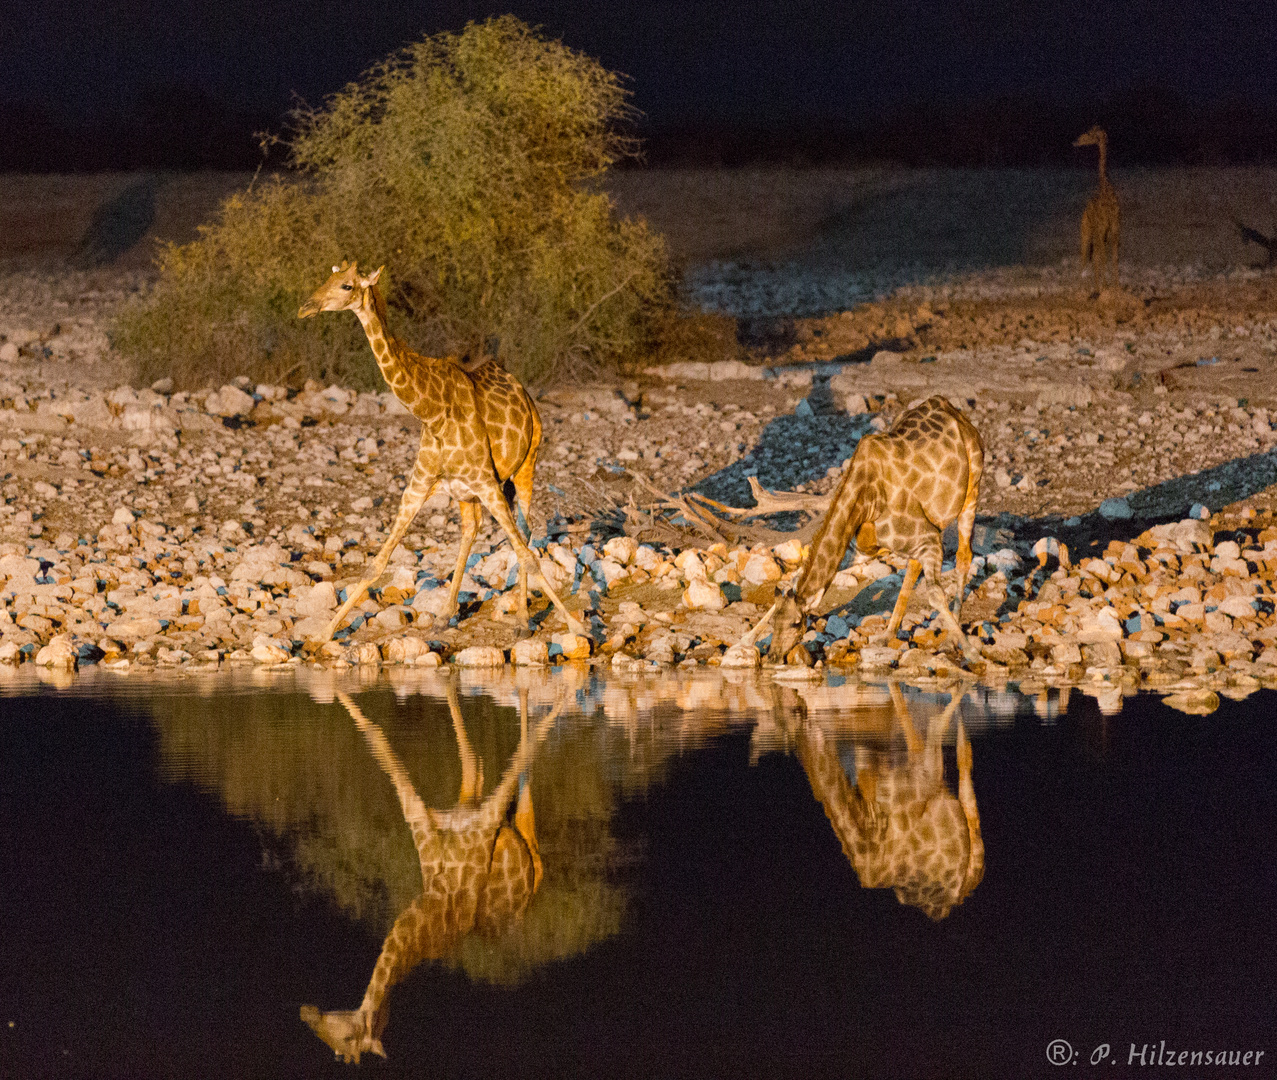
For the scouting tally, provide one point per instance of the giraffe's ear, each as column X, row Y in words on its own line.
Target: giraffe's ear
column 371, row 280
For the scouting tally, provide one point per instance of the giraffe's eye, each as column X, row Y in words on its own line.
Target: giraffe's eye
column 348, row 287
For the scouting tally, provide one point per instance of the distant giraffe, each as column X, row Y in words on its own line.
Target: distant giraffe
column 478, row 429
column 1101, row 220
column 480, row 866
column 899, row 825
column 901, row 490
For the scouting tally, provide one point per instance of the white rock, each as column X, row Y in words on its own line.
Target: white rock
column 479, row 656
column 433, row 602
column 57, row 654
column 760, row 569
column 402, row 650
column 574, row 646
column 269, row 653
column 529, row 652
column 122, row 516
column 702, row 595
column 741, row 656
column 391, row 619
column 364, row 653
column 790, row 552
column 621, row 548
column 690, row 565
column 229, row 401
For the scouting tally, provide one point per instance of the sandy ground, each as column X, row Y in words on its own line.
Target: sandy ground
column 1079, row 399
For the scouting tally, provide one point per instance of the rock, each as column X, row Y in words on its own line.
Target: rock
column 122, row 516
column 59, row 653
column 760, row 569
column 741, row 656
column 134, row 629
column 269, row 653
column 404, row 650
column 433, row 602
column 1103, row 654
column 529, row 652
column 790, row 552
column 1102, row 625
column 621, row 548
column 878, row 656
column 1114, row 509
column 1066, row 653
column 574, row 646
column 702, row 595
column 319, row 599
column 229, row 401
column 480, row 656
column 391, row 619
column 365, row 653
column 690, row 565
column 1191, row 535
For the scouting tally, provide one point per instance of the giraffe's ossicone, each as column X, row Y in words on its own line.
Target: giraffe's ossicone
column 901, row 490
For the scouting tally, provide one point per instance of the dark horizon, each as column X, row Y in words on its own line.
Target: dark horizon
column 128, row 85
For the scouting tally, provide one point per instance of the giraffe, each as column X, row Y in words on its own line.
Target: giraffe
column 479, row 429
column 480, row 866
column 899, row 825
column 901, row 490
column 1102, row 217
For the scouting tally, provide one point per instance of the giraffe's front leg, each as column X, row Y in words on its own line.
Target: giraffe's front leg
column 469, row 527
column 420, row 485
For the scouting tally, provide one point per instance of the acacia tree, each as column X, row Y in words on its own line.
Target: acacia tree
column 469, row 164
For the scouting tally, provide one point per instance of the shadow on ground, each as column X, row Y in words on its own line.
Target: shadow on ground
column 118, row 224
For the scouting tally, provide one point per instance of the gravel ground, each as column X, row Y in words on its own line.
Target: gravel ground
column 143, row 528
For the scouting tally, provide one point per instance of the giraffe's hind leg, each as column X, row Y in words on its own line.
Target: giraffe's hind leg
column 966, row 516
column 522, row 481
column 930, row 556
column 494, row 499
column 912, row 569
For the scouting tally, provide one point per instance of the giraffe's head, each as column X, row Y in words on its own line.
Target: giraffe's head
column 344, row 291
column 349, row 1033
column 1094, row 137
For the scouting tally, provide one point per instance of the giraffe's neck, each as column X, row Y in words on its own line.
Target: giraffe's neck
column 1104, row 153
column 385, row 347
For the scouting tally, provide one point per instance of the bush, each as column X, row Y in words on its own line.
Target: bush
column 468, row 164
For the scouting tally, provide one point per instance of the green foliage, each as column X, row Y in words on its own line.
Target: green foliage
column 468, row 164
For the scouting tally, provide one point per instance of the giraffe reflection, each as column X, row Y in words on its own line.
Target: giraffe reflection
column 899, row 825
column 479, row 868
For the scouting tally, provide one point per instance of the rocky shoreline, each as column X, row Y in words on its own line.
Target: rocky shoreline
column 147, row 528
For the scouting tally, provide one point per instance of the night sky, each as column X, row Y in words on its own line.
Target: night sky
column 761, row 63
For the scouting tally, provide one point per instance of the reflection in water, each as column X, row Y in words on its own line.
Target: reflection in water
column 899, row 825
column 480, row 863
column 479, row 868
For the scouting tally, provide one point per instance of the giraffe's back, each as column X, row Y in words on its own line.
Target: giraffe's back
column 926, row 462
column 508, row 413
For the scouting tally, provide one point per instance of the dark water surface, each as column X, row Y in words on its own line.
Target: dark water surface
column 668, row 878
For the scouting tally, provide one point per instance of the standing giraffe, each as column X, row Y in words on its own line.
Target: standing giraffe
column 1102, row 217
column 899, row 825
column 478, row 430
column 901, row 490
column 480, row 867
